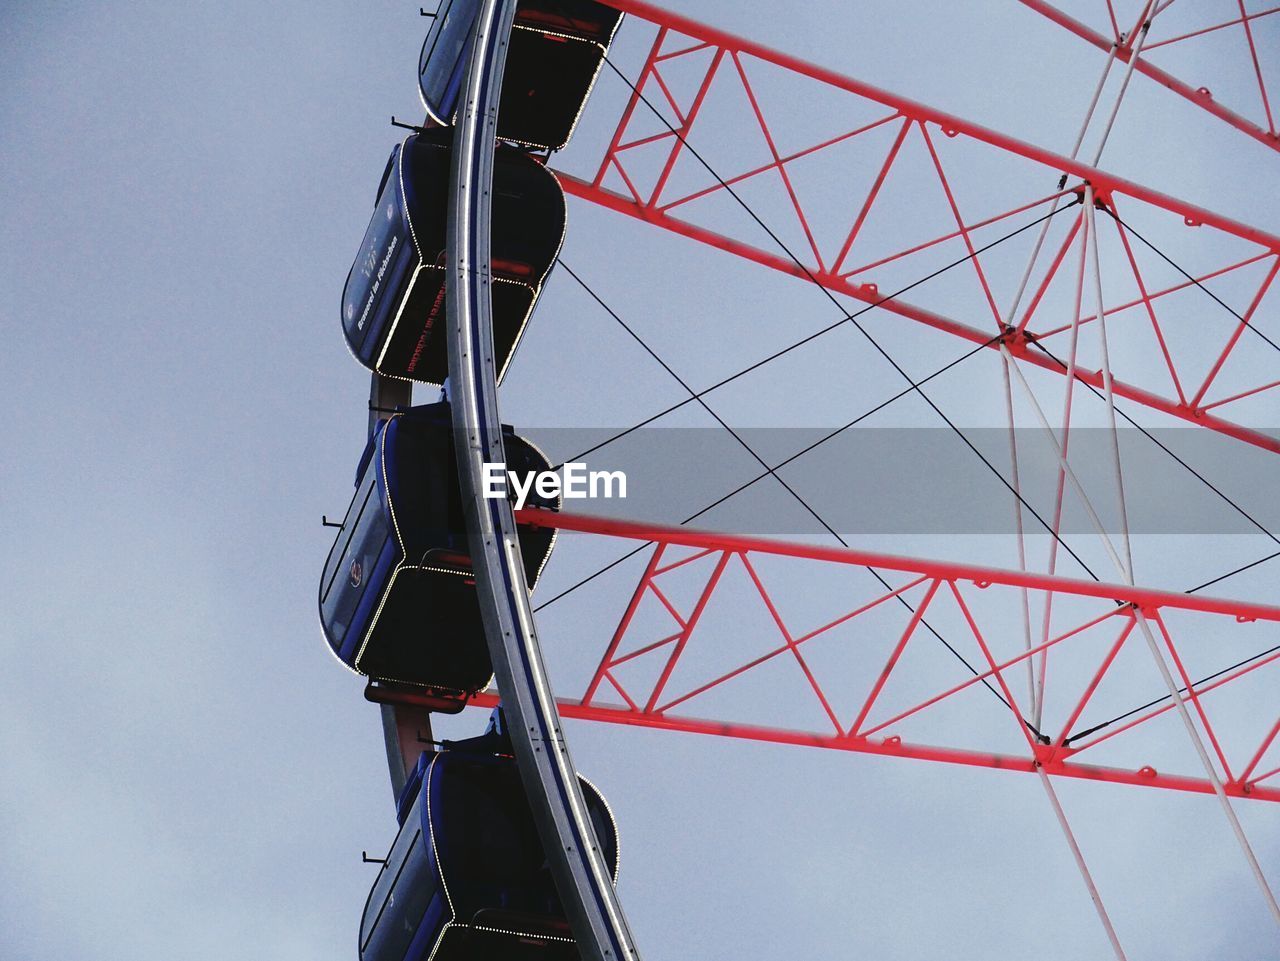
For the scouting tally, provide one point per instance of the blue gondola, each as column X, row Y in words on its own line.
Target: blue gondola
column 393, row 302
column 467, row 877
column 397, row 596
column 557, row 47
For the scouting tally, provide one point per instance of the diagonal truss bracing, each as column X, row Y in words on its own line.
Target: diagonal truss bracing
column 649, row 171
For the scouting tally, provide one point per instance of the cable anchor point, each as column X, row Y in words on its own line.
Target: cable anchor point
column 1015, row 339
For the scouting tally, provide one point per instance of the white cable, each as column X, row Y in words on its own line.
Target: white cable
column 1134, row 51
column 1044, row 230
column 1181, row 704
column 1070, row 375
column 1126, row 566
column 1037, row 690
column 1084, row 868
column 1107, row 387
column 1033, row 698
column 1070, row 474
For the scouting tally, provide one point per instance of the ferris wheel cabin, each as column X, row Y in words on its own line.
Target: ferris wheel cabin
column 393, row 304
column 397, row 597
column 556, row 50
column 466, row 876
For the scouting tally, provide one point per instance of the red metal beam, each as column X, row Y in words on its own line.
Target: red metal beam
column 1142, row 597
column 896, row 747
column 1196, row 95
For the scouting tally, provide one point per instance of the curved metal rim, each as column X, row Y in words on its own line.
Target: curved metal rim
column 583, row 879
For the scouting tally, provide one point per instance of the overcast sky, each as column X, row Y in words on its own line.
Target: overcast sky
column 188, row 774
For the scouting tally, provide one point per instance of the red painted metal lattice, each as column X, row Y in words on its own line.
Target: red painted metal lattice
column 639, row 175
column 1249, row 48
column 1190, row 629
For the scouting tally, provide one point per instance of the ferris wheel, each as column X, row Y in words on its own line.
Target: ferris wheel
column 766, row 598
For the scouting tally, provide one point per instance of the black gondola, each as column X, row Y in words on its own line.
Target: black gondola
column 467, row 875
column 557, row 47
column 393, row 304
column 397, row 596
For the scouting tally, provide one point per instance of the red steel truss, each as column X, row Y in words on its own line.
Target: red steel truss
column 638, row 176
column 872, row 715
column 1242, row 28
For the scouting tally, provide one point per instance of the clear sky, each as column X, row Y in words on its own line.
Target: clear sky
column 186, row 773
